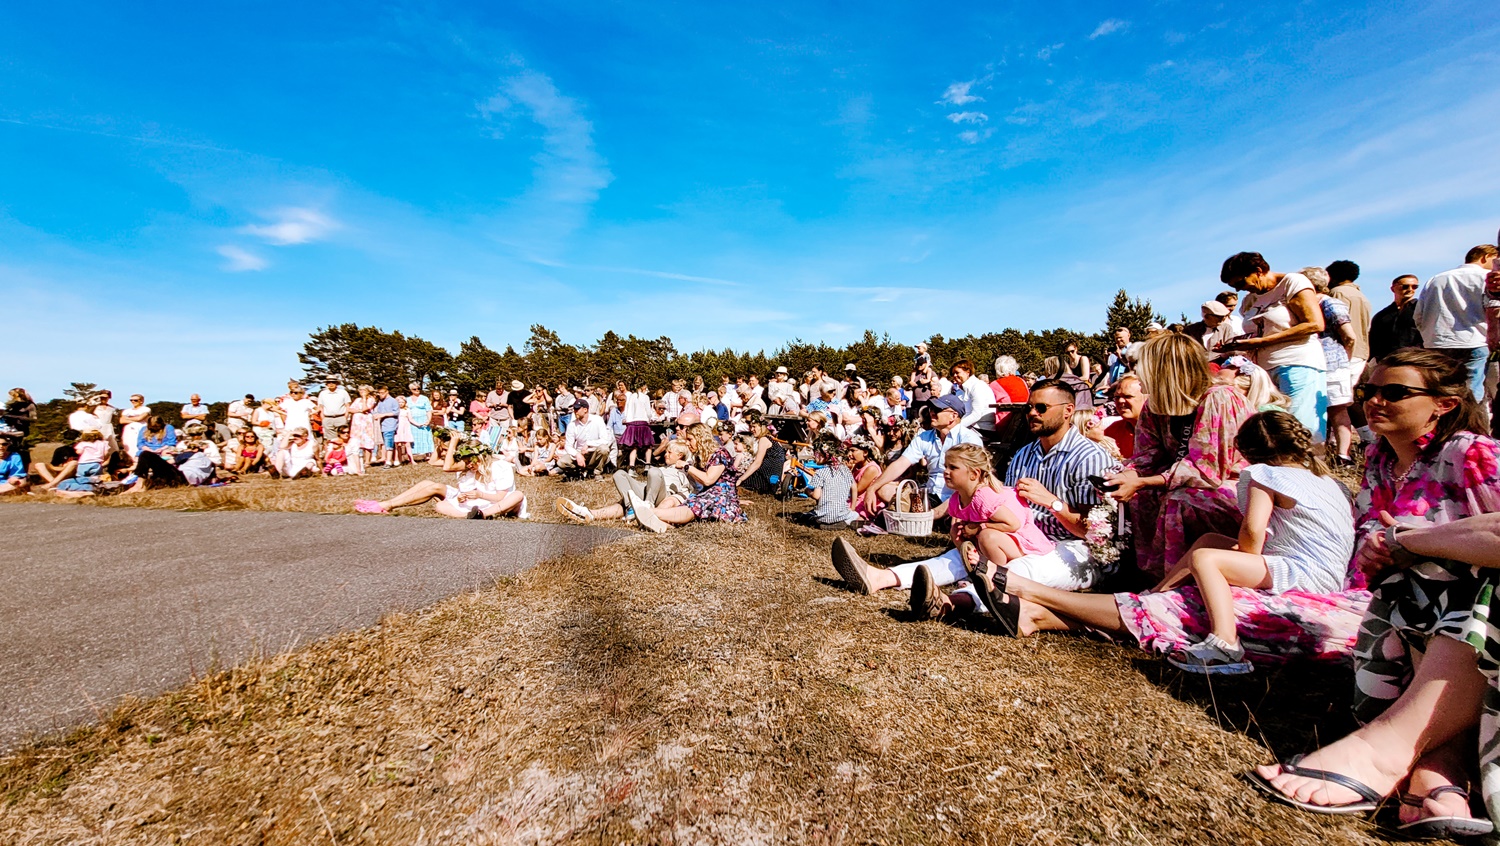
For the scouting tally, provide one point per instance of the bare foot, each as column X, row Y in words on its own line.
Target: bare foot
column 1448, row 803
column 1353, row 757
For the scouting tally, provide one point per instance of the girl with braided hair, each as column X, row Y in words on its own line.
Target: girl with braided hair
column 1298, row 534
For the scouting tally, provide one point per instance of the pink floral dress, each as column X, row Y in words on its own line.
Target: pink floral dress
column 1200, row 496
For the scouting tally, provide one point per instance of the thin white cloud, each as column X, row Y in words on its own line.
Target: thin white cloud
column 1109, row 27
column 1046, row 53
column 239, row 260
column 569, row 172
column 958, row 94
column 968, row 117
column 292, row 226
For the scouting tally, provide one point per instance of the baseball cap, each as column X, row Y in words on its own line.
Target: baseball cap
column 1153, row 326
column 1215, row 308
column 952, row 402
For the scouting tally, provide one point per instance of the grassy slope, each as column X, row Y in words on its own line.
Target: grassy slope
column 714, row 685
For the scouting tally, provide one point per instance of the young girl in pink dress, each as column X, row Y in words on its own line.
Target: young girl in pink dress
column 403, row 433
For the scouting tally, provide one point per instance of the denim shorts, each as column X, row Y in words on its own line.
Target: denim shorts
column 84, row 478
column 390, row 439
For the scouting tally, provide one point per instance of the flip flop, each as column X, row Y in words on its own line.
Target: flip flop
column 1443, row 828
column 1368, row 802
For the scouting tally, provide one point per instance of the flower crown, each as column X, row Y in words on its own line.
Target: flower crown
column 470, row 448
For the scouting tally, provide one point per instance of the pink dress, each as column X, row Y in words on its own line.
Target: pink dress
column 871, row 469
column 363, row 432
column 987, row 501
column 403, row 427
column 1202, row 472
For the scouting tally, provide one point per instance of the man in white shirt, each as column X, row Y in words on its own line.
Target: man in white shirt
column 587, row 444
column 930, row 446
column 779, row 391
column 754, row 394
column 240, row 413
column 195, row 410
column 297, row 410
column 1450, row 315
column 333, row 405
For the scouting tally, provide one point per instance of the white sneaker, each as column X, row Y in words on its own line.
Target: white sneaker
column 646, row 515
column 525, row 510
column 1212, row 656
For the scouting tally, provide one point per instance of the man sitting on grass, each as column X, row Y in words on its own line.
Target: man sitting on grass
column 587, row 444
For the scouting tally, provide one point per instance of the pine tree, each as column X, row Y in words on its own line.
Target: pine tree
column 79, row 391
column 1133, row 314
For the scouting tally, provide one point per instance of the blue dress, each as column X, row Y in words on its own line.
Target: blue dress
column 419, row 409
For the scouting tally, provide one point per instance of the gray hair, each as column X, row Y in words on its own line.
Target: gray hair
column 1318, row 277
column 1006, row 366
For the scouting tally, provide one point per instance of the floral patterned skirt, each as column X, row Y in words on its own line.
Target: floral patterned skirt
column 1166, row 523
column 1409, row 608
column 717, row 502
column 1274, row 628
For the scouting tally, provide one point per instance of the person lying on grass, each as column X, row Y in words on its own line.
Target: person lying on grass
column 719, row 498
column 485, row 487
column 1298, row 534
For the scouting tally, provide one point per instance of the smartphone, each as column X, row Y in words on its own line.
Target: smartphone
column 1103, row 484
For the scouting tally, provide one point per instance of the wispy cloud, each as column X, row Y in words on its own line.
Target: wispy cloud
column 968, row 117
column 569, row 171
column 292, row 226
column 239, row 260
column 1109, row 27
column 974, row 136
column 958, row 94
column 1046, row 53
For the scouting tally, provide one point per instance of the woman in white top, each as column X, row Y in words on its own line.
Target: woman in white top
column 976, row 393
column 134, row 419
column 637, row 414
column 485, row 487
column 296, row 411
column 1282, row 322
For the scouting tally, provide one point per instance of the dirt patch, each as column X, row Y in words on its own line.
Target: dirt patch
column 712, row 685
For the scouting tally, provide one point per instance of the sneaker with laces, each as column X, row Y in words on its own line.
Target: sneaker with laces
column 1212, row 656
column 572, row 510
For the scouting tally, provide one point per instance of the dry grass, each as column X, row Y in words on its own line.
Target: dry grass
column 712, row 685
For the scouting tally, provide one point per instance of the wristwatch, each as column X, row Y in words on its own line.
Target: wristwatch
column 1400, row 555
column 1057, row 506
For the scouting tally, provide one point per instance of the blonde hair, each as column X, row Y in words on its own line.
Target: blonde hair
column 1174, row 372
column 705, row 443
column 678, row 448
column 971, row 457
column 1260, row 391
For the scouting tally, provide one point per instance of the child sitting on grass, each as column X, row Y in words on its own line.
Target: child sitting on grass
column 1298, row 534
column 832, row 487
column 335, row 458
column 92, row 450
column 987, row 515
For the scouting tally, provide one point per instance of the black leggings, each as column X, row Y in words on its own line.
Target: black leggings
column 158, row 472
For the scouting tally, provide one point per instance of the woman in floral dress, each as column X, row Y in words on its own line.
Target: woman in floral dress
column 364, row 434
column 1181, row 479
column 719, row 498
column 1427, row 660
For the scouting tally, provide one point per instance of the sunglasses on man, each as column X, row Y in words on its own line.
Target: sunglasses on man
column 1042, row 407
column 1366, row 391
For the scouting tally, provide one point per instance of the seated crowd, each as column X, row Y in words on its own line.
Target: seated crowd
column 1178, row 495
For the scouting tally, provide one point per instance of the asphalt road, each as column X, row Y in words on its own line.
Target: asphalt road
column 100, row 603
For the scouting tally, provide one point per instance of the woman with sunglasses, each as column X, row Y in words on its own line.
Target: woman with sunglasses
column 1182, row 474
column 1428, row 653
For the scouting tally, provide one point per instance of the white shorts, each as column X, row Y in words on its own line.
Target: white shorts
column 1340, row 387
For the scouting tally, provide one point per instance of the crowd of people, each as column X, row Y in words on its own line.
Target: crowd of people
column 1180, row 494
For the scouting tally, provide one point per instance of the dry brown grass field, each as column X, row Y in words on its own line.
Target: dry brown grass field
column 712, row 685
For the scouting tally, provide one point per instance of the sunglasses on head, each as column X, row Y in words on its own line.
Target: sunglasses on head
column 1366, row 391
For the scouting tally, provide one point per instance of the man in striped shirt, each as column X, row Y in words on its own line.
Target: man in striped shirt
column 1051, row 476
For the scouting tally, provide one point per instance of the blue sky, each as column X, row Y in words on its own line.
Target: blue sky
column 187, row 190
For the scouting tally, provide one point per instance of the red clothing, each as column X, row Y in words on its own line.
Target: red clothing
column 1122, row 432
column 1008, row 389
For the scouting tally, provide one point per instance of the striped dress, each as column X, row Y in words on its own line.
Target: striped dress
column 1308, row 546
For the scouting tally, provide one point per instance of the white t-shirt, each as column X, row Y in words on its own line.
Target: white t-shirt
column 298, row 414
column 334, row 403
column 1267, row 314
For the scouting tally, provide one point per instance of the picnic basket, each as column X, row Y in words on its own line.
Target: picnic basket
column 911, row 524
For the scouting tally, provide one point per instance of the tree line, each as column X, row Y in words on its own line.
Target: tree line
column 368, row 355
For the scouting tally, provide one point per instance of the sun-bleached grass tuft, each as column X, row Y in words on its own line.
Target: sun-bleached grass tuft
column 711, row 685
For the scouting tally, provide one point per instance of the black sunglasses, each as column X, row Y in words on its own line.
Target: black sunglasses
column 1042, row 407
column 1365, row 391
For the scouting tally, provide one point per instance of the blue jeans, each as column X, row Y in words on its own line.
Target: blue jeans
column 84, row 478
column 1308, row 388
column 1475, row 360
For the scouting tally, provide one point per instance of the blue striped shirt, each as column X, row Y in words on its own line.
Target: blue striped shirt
column 1064, row 470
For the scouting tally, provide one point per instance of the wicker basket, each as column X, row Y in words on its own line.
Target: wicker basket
column 911, row 524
